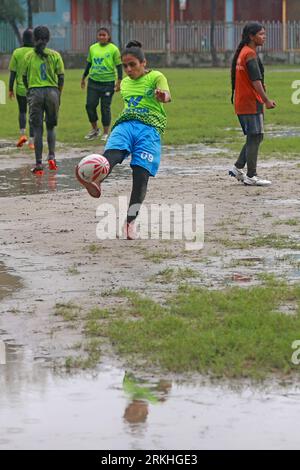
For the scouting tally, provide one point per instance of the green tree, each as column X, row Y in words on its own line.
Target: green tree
column 12, row 12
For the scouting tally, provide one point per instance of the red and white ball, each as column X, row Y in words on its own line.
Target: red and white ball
column 93, row 168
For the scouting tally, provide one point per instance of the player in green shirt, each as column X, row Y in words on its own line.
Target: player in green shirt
column 43, row 76
column 16, row 67
column 103, row 61
column 138, row 129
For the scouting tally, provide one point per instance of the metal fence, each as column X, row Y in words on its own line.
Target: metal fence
column 181, row 36
column 7, row 38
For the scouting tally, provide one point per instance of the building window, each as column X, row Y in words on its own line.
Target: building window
column 39, row 6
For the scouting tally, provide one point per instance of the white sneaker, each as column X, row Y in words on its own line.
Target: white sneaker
column 104, row 137
column 256, row 181
column 237, row 173
column 93, row 134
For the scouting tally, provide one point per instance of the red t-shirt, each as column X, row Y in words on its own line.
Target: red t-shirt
column 246, row 98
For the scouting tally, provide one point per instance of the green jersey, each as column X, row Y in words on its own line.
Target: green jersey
column 104, row 60
column 43, row 72
column 16, row 65
column 140, row 101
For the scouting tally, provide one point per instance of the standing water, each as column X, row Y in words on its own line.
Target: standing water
column 111, row 409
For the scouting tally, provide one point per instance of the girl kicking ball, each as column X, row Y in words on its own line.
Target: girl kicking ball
column 137, row 131
column 249, row 96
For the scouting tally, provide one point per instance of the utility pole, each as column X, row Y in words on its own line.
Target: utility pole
column 213, row 6
column 120, row 32
column 29, row 14
column 168, row 33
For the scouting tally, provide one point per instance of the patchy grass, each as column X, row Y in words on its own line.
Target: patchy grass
column 68, row 311
column 93, row 248
column 272, row 240
column 158, row 256
column 73, row 270
column 232, row 333
column 291, row 222
column 171, row 274
column 92, row 348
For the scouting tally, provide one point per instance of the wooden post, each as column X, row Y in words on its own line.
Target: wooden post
column 284, row 26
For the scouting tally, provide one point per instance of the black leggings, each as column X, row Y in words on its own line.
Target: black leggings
column 249, row 154
column 140, row 178
column 22, row 103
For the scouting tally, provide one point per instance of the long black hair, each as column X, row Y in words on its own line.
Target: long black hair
column 252, row 29
column 28, row 38
column 41, row 36
column 134, row 48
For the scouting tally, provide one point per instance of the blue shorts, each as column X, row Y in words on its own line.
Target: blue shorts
column 141, row 141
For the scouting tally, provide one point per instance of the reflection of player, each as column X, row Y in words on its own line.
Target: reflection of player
column 52, row 181
column 137, row 411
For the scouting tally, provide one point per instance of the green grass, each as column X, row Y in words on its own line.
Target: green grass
column 171, row 274
column 200, row 110
column 231, row 333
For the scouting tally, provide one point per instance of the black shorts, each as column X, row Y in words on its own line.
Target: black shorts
column 252, row 124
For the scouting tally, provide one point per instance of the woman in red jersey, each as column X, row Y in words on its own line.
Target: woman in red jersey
column 249, row 97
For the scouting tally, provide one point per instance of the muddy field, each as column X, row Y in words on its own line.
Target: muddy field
column 50, row 253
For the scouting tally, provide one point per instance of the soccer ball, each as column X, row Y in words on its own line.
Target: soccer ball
column 93, row 168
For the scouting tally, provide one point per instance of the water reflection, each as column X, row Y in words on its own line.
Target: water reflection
column 8, row 282
column 141, row 395
column 110, row 410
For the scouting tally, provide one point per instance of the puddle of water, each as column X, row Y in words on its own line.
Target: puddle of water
column 275, row 132
column 6, row 145
column 282, row 202
column 21, row 182
column 191, row 150
column 114, row 410
column 8, row 282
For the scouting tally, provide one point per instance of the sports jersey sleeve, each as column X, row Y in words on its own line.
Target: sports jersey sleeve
column 89, row 57
column 162, row 83
column 254, row 70
column 252, row 66
column 60, row 68
column 13, row 63
column 117, row 57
